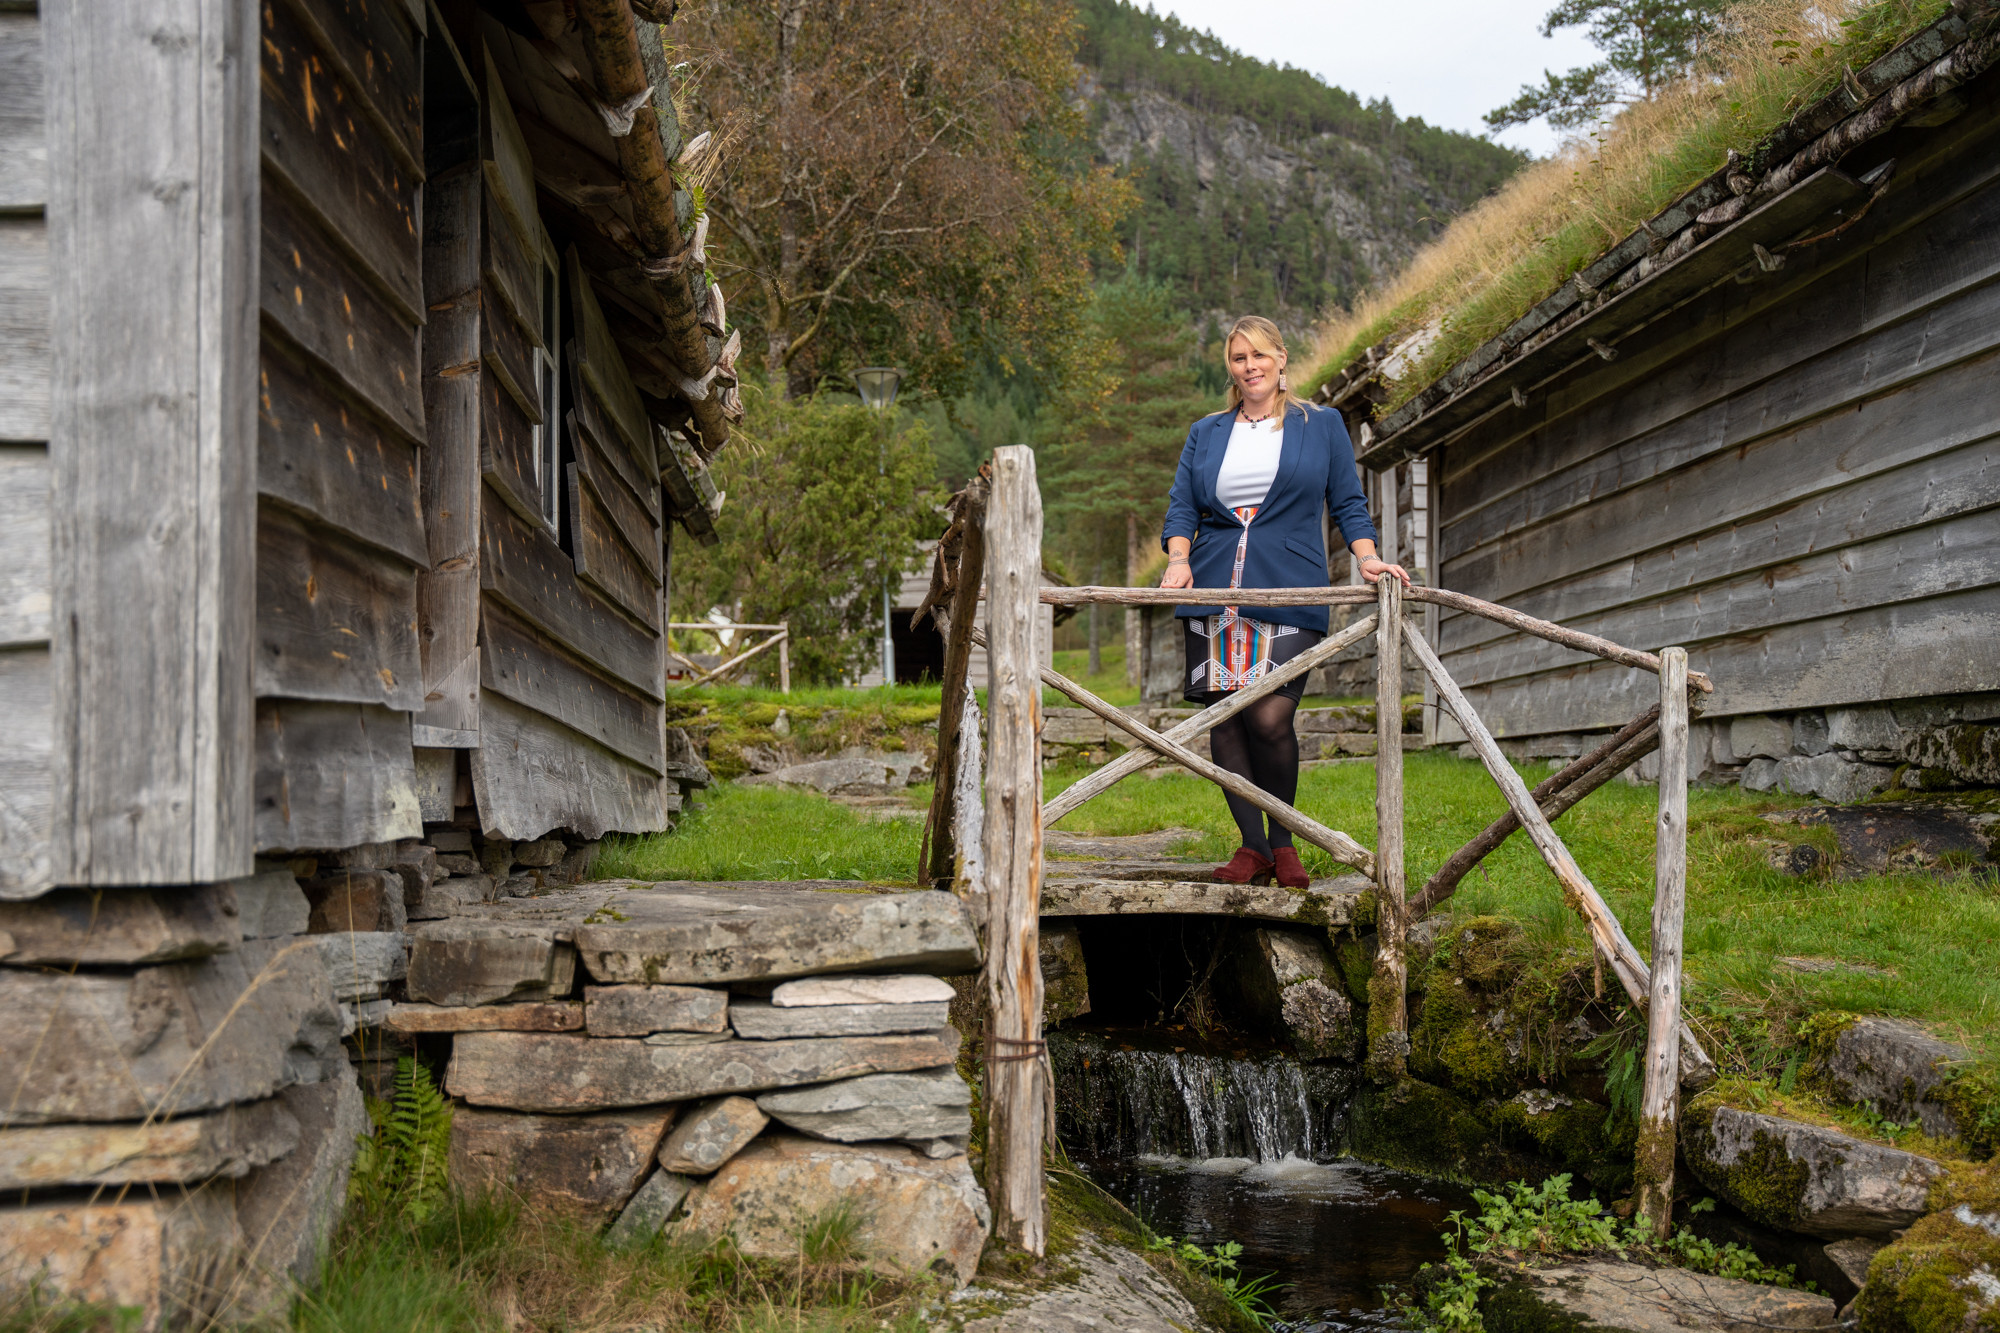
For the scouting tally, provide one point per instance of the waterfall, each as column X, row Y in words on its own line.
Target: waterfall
column 1118, row 1102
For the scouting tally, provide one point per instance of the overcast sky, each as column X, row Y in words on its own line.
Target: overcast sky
column 1449, row 61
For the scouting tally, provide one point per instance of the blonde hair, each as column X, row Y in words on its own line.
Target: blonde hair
column 1263, row 336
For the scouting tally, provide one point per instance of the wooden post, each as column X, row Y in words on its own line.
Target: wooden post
column 785, row 659
column 1388, row 1007
column 1660, row 1102
column 1015, row 1106
column 942, row 828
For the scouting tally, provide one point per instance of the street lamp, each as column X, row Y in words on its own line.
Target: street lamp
column 877, row 386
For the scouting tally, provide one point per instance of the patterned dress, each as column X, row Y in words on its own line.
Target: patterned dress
column 1231, row 650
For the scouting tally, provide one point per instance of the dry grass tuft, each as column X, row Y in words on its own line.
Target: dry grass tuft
column 1773, row 58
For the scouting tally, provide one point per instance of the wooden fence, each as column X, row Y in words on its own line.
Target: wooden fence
column 994, row 542
column 781, row 639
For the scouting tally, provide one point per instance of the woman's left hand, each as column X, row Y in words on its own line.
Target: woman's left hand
column 1374, row 567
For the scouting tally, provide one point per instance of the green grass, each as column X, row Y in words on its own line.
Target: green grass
column 1936, row 940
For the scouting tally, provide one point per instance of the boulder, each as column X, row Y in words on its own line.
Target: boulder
column 459, row 862
column 706, row 935
column 288, row 1209
column 271, row 905
column 585, row 1165
column 1872, row 727
column 711, row 1134
column 360, row 965
column 471, row 962
column 169, row 1259
column 916, row 1212
column 762, row 1021
column 1614, row 1296
column 227, row 1142
column 1832, row 778
column 861, row 990
column 1943, row 1274
column 446, row 898
column 100, row 1047
column 1760, row 775
column 1853, row 1255
column 129, row 927
column 1969, row 752
column 541, row 853
column 652, row 1204
column 1757, row 735
column 638, row 1011
column 929, row 1105
column 1809, row 733
column 1286, row 982
column 1801, row 1177
column 1100, row 1287
column 855, row 771
column 549, row 1072
column 544, row 1016
column 1065, row 982
column 351, row 900
column 1894, row 1066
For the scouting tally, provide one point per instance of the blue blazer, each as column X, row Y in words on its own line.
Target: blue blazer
column 1286, row 550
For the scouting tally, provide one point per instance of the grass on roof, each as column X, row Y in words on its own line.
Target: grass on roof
column 1772, row 59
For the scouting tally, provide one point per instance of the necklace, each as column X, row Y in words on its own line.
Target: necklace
column 1252, row 421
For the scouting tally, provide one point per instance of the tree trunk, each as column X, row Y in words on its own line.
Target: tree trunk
column 791, row 13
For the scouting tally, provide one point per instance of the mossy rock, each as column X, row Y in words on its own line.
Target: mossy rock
column 1354, row 959
column 1420, row 1127
column 1515, row 1306
column 1570, row 1132
column 1972, row 1095
column 1763, row 1182
column 1484, row 950
column 1942, row 1276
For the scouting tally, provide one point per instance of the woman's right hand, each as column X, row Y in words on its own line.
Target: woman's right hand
column 1178, row 575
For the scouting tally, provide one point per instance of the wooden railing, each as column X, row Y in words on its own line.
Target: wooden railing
column 996, row 535
column 781, row 639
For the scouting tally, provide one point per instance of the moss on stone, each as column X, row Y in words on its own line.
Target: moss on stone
column 1514, row 1305
column 1354, row 959
column 1942, row 1276
column 1420, row 1127
column 1764, row 1183
column 1388, row 1048
column 1972, row 1095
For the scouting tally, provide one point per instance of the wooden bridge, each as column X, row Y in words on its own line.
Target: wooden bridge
column 988, row 844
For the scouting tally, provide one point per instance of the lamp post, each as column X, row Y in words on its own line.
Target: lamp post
column 877, row 386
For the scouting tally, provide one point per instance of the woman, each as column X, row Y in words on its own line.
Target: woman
column 1245, row 513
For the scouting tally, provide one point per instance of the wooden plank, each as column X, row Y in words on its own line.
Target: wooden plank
column 1902, row 650
column 523, row 566
column 508, row 458
column 379, row 54
column 27, row 773
column 336, row 621
column 514, row 277
column 326, row 456
column 1920, row 417
column 312, row 293
column 604, row 370
column 641, row 532
column 1659, row 1103
column 1928, row 490
column 531, row 775
column 590, row 418
column 24, row 329
column 333, row 775
column 24, row 545
column 24, row 154
column 509, row 356
column 448, row 585
column 1389, row 985
column 513, row 174
column 335, row 161
column 525, row 666
column 1867, row 369
column 604, row 561
column 154, row 337
column 1016, row 1072
column 1957, row 554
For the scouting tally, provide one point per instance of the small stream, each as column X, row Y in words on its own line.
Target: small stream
column 1214, row 1145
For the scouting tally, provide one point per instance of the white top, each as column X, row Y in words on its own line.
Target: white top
column 1251, row 464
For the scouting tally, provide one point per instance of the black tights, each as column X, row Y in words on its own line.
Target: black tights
column 1259, row 744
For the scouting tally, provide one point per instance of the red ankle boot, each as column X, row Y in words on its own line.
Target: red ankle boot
column 1243, row 867
column 1285, row 864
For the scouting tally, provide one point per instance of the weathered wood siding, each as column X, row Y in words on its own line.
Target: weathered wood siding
column 151, row 364
column 341, row 465
column 27, row 726
column 1794, row 477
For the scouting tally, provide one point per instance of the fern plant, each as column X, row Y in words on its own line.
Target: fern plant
column 403, row 1167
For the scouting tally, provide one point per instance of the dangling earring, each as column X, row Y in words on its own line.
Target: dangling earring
column 1282, row 386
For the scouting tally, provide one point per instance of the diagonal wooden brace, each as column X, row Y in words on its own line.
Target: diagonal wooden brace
column 1125, row 765
column 1696, row 1068
column 1331, row 841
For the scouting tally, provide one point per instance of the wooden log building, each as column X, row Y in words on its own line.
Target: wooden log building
column 1766, row 425
column 357, row 363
